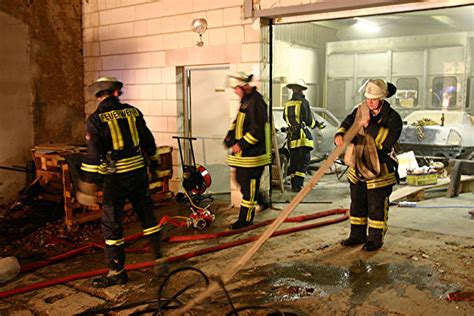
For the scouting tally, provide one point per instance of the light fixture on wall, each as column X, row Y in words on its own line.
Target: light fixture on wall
column 366, row 26
column 199, row 26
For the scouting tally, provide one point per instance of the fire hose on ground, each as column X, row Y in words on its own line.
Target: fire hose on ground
column 229, row 273
column 185, row 256
column 271, row 231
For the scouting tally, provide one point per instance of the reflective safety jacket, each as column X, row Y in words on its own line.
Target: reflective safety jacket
column 251, row 130
column 385, row 128
column 118, row 132
column 300, row 120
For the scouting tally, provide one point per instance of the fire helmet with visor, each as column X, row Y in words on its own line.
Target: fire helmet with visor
column 378, row 89
column 297, row 85
column 239, row 79
column 105, row 84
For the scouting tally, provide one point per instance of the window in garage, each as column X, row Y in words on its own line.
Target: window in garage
column 407, row 92
column 444, row 92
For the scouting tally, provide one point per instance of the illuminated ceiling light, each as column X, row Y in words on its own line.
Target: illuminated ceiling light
column 366, row 26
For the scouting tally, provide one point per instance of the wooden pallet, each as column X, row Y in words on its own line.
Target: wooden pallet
column 54, row 175
column 417, row 193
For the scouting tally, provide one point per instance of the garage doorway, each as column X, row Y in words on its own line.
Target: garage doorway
column 427, row 54
column 207, row 119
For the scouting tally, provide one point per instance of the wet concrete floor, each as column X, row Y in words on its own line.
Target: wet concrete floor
column 291, row 281
column 308, row 273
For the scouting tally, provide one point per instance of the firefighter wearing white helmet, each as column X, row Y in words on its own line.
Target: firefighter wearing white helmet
column 248, row 139
column 373, row 168
column 300, row 120
column 117, row 140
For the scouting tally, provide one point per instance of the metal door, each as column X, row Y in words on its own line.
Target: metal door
column 209, row 119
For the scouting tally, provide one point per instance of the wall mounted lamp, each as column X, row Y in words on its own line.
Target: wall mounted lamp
column 199, row 26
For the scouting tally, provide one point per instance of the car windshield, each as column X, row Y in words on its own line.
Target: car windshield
column 325, row 115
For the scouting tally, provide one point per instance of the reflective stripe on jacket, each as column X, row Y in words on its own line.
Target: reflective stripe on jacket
column 251, row 130
column 385, row 128
column 119, row 128
column 300, row 120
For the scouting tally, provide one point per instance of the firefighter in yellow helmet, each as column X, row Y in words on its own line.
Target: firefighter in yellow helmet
column 373, row 167
column 248, row 139
column 117, row 140
column 300, row 120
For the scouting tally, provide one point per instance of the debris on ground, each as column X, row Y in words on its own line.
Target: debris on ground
column 9, row 268
column 38, row 231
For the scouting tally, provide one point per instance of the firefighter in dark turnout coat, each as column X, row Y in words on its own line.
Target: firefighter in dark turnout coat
column 117, row 137
column 300, row 120
column 370, row 194
column 249, row 141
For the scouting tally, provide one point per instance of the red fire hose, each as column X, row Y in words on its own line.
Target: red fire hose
column 91, row 245
column 184, row 256
column 295, row 219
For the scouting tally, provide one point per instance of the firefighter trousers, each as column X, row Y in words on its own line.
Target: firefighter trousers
column 299, row 163
column 249, row 181
column 117, row 188
column 369, row 208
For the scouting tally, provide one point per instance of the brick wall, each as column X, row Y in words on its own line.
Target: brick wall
column 40, row 78
column 54, row 47
column 142, row 42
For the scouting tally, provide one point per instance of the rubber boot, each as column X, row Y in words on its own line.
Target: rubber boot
column 242, row 220
column 357, row 236
column 375, row 239
column 263, row 202
column 297, row 183
column 154, row 241
column 112, row 278
column 115, row 257
column 161, row 267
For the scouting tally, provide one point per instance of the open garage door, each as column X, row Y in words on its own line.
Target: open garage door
column 427, row 54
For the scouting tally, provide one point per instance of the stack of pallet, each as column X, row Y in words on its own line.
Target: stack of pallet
column 57, row 178
column 48, row 159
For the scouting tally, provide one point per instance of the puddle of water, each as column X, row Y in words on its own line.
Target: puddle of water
column 293, row 280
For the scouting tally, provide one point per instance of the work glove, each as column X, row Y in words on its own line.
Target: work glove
column 86, row 191
column 229, row 142
column 321, row 125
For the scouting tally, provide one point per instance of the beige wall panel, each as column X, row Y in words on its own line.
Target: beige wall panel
column 408, row 63
column 143, row 43
column 204, row 56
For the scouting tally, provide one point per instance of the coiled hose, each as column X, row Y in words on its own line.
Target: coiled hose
column 163, row 303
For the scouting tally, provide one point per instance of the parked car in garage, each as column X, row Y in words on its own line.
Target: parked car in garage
column 439, row 135
column 323, row 138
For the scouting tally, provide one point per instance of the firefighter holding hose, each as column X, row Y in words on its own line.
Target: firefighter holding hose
column 372, row 164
